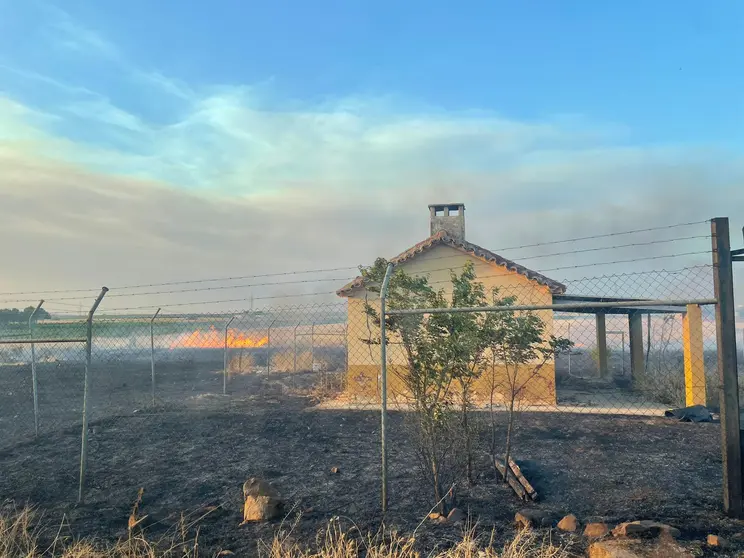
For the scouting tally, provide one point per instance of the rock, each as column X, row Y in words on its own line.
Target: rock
column 644, row 528
column 529, row 519
column 262, row 501
column 612, row 549
column 635, row 548
column 456, row 515
column 596, row 530
column 569, row 524
column 717, row 542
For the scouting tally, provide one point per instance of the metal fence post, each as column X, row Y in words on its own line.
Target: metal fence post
column 569, row 350
column 268, row 347
column 723, row 282
column 346, row 344
column 294, row 344
column 225, row 363
column 86, row 391
column 312, row 346
column 34, row 385
column 383, row 380
column 152, row 353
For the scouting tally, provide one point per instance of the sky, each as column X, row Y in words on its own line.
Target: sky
column 151, row 142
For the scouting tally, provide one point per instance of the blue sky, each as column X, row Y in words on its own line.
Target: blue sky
column 670, row 71
column 342, row 118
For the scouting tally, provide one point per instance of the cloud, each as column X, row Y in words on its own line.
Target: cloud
column 64, row 31
column 311, row 196
column 230, row 182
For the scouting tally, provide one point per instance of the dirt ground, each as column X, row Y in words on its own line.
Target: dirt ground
column 197, row 449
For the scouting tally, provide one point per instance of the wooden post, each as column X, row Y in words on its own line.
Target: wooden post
column 723, row 283
column 692, row 343
column 602, row 344
column 637, row 361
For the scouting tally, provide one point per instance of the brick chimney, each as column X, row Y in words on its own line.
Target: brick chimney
column 449, row 217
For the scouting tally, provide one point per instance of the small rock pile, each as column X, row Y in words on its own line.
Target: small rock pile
column 632, row 539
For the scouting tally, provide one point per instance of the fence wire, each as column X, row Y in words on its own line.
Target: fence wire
column 176, row 397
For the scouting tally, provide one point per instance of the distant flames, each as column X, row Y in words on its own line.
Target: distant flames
column 215, row 339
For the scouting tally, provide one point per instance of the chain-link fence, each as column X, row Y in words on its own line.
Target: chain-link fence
column 190, row 405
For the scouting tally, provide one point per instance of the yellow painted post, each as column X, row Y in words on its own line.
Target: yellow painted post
column 692, row 341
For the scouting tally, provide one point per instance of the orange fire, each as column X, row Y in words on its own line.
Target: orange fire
column 215, row 339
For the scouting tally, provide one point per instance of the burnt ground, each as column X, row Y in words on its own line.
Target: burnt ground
column 191, row 457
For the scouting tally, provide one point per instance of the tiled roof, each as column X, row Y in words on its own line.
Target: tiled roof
column 442, row 238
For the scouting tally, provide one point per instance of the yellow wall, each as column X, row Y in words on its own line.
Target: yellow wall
column 364, row 359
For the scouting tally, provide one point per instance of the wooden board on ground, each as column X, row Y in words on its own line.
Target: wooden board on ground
column 516, row 479
column 512, row 480
column 531, row 492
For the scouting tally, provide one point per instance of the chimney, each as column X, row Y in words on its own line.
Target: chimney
column 449, row 217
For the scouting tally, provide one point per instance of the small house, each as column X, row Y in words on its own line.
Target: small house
column 445, row 250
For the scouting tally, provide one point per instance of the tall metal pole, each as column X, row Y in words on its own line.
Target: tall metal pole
column 312, row 346
column 383, row 381
column 224, row 357
column 569, row 349
column 86, row 391
column 34, row 386
column 723, row 281
column 152, row 353
column 268, row 348
column 648, row 340
column 346, row 352
column 294, row 344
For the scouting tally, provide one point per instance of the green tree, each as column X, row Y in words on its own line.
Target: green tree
column 445, row 354
column 16, row 316
column 463, row 341
column 426, row 379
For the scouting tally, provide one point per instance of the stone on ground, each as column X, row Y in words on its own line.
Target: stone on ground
column 644, row 529
column 262, row 501
column 634, row 548
column 596, row 530
column 569, row 524
column 717, row 542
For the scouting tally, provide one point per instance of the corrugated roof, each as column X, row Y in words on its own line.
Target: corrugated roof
column 442, row 238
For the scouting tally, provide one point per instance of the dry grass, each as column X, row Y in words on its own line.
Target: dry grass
column 336, row 542
column 21, row 534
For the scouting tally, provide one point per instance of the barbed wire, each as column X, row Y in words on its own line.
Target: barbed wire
column 95, row 290
column 61, row 301
column 193, row 303
column 578, row 266
column 224, row 287
column 456, row 256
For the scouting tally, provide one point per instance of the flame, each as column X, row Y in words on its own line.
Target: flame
column 215, row 339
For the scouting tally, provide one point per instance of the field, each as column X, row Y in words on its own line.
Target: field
column 193, row 450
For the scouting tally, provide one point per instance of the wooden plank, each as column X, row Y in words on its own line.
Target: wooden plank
column 531, row 492
column 513, row 482
column 723, row 283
